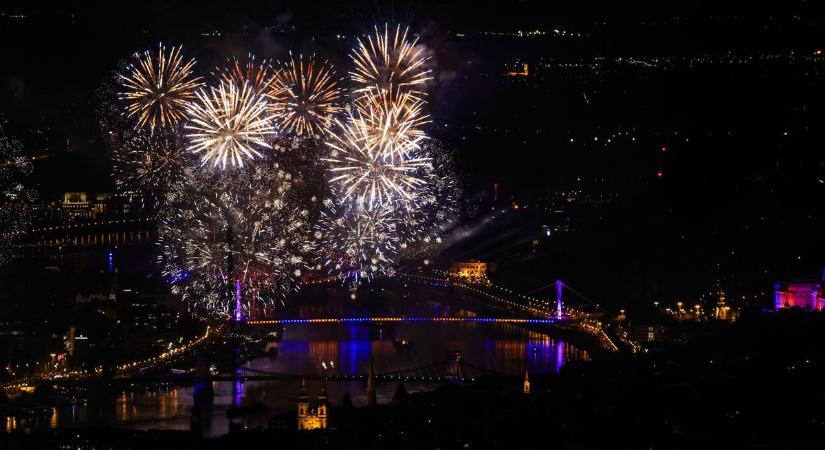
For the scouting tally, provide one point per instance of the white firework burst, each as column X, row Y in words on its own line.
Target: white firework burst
column 363, row 171
column 229, row 124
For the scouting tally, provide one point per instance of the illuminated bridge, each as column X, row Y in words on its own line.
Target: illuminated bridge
column 399, row 319
column 586, row 316
column 525, row 309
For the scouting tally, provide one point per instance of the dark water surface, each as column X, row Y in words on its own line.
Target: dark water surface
column 337, row 349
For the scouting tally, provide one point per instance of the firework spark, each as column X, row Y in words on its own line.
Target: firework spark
column 157, row 87
column 390, row 62
column 367, row 174
column 424, row 223
column 393, row 123
column 224, row 230
column 356, row 240
column 148, row 162
column 258, row 74
column 228, row 124
column 306, row 96
column 15, row 198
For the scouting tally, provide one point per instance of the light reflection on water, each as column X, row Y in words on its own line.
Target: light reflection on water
column 344, row 349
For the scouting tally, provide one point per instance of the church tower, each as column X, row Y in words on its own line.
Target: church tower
column 721, row 308
column 323, row 405
column 303, row 405
column 526, row 383
column 313, row 416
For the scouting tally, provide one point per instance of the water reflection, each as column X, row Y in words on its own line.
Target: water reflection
column 334, row 349
column 345, row 349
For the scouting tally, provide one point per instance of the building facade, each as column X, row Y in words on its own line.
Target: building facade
column 802, row 295
column 312, row 415
column 472, row 269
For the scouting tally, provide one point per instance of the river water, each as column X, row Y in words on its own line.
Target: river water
column 334, row 348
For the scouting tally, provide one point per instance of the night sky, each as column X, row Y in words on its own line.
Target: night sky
column 690, row 134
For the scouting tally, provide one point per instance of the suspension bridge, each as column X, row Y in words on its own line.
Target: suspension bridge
column 519, row 308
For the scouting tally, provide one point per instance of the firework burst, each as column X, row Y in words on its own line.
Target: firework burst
column 259, row 75
column 229, row 123
column 424, row 223
column 148, row 162
column 390, row 62
column 355, row 240
column 157, row 87
column 306, row 96
column 15, row 198
column 230, row 238
column 364, row 172
column 393, row 123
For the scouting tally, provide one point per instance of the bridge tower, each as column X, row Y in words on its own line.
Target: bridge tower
column 454, row 367
column 559, row 285
column 238, row 305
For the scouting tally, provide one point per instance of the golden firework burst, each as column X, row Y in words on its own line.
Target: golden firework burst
column 157, row 86
column 305, row 96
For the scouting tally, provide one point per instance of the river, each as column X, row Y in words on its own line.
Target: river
column 334, row 348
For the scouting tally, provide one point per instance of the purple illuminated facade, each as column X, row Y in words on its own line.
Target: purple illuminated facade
column 801, row 295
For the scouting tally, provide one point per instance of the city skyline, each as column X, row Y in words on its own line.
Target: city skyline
column 340, row 225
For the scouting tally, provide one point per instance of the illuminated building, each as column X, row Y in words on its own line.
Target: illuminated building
column 84, row 205
column 805, row 295
column 723, row 311
column 648, row 332
column 526, row 386
column 68, row 341
column 76, row 204
column 312, row 416
column 474, row 269
column 101, row 203
column 523, row 73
